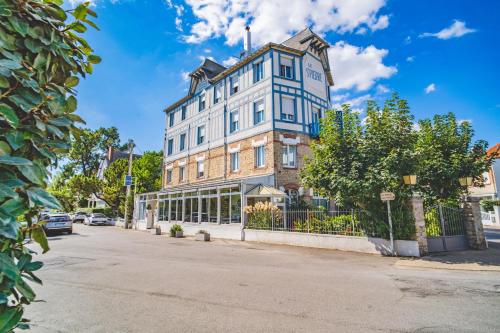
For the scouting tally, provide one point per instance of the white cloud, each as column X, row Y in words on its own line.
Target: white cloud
column 207, row 51
column 410, row 58
column 75, row 3
column 356, row 103
column 185, row 76
column 357, row 67
column 179, row 12
column 381, row 89
column 457, row 29
column 408, row 40
column 430, row 88
column 339, row 97
column 229, row 61
column 276, row 20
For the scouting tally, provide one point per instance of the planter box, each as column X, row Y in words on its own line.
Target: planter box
column 156, row 231
column 179, row 234
column 202, row 237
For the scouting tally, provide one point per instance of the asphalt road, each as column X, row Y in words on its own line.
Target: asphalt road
column 104, row 279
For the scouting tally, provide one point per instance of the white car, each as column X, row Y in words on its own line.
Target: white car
column 79, row 217
column 96, row 219
column 57, row 222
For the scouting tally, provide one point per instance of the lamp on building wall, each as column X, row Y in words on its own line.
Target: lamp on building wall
column 466, row 181
column 410, row 179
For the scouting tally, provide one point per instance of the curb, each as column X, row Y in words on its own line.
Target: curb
column 419, row 263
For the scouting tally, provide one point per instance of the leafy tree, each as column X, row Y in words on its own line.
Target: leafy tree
column 113, row 189
column 147, row 171
column 445, row 154
column 87, row 149
column 41, row 57
column 352, row 163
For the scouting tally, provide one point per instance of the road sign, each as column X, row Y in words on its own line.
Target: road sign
column 128, row 180
column 387, row 196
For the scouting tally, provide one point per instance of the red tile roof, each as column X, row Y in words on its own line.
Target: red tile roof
column 494, row 149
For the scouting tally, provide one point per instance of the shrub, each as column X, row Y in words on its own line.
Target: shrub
column 174, row 229
column 432, row 223
column 262, row 215
column 488, row 205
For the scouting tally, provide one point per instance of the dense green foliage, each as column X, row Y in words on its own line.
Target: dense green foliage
column 175, row 228
column 445, row 153
column 354, row 161
column 41, row 58
column 489, row 205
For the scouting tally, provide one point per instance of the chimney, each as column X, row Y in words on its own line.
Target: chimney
column 110, row 153
column 247, row 41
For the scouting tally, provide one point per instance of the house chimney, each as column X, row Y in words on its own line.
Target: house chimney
column 110, row 153
column 247, row 41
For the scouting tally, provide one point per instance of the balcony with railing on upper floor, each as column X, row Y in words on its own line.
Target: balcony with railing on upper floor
column 314, row 129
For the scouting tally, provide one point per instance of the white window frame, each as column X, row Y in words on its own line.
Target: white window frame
column 200, row 169
column 231, row 121
column 170, row 147
column 235, row 157
column 169, row 176
column 234, row 82
column 182, row 173
column 182, row 147
column 259, row 149
column 288, row 151
column 255, row 112
column 199, row 129
column 285, row 115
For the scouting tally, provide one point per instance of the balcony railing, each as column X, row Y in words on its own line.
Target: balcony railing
column 314, row 129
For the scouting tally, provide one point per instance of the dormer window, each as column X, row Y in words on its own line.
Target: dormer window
column 234, row 84
column 286, row 67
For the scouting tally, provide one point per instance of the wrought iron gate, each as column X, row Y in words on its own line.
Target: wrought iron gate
column 445, row 227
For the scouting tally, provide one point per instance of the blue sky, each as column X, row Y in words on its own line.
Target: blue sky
column 440, row 55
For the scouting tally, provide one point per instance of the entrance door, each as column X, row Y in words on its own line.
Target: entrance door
column 445, row 227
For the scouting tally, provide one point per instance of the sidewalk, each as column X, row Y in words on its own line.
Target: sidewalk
column 471, row 260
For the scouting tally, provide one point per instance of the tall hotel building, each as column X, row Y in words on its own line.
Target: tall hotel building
column 241, row 133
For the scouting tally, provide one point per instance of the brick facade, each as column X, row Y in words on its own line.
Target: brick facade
column 217, row 161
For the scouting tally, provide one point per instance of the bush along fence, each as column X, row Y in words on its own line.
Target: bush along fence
column 416, row 231
column 265, row 216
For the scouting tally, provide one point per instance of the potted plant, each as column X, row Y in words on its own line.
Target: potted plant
column 176, row 231
column 202, row 235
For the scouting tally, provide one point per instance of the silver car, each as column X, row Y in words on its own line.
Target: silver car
column 96, row 219
column 57, row 222
column 79, row 217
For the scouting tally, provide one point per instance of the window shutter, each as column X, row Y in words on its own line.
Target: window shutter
column 288, row 106
column 286, row 62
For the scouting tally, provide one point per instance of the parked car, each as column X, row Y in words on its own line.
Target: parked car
column 96, row 219
column 79, row 217
column 57, row 222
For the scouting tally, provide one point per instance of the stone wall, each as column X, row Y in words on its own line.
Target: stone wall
column 473, row 224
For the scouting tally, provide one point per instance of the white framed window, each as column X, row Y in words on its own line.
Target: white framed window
column 258, row 71
column 182, row 141
column 235, row 161
column 170, row 146
column 202, row 101
column 260, row 156
column 258, row 112
column 316, row 114
column 200, row 135
column 169, row 176
column 171, row 119
column 286, row 67
column 289, row 153
column 217, row 93
column 234, row 84
column 183, row 112
column 234, row 121
column 182, row 173
column 287, row 108
column 200, row 169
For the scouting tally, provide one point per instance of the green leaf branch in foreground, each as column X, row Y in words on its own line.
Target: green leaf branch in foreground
column 42, row 58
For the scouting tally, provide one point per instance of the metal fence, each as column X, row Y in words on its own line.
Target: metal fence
column 338, row 222
column 444, row 221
